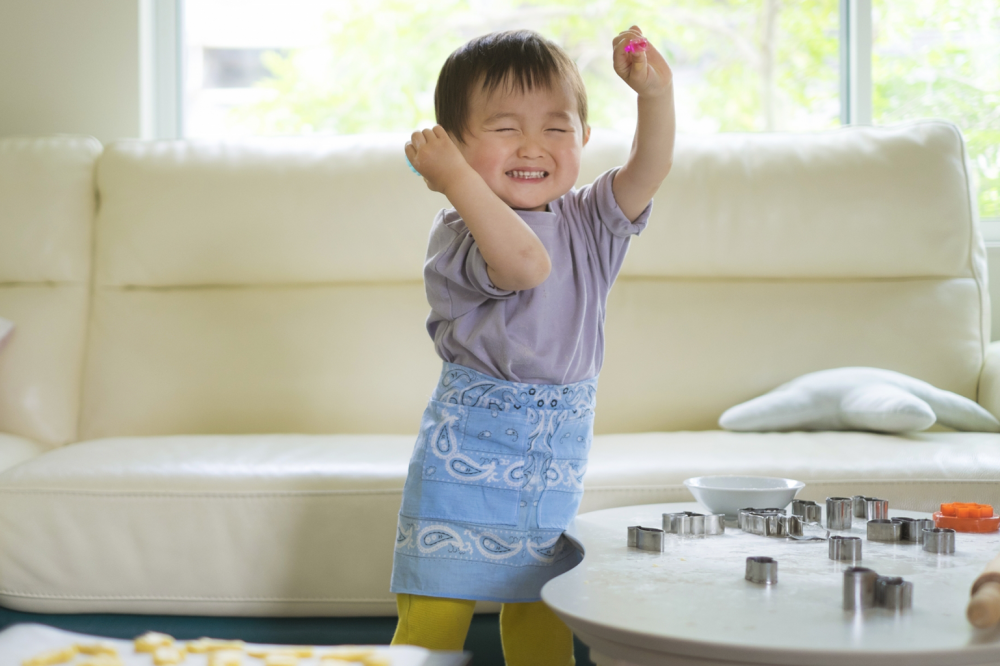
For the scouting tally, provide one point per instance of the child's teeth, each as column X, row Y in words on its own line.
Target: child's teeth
column 528, row 174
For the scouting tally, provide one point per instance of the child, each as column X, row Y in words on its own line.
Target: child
column 517, row 275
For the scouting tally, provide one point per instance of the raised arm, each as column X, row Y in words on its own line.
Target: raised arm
column 644, row 69
column 515, row 257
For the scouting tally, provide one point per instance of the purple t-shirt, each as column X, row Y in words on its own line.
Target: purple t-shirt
column 552, row 334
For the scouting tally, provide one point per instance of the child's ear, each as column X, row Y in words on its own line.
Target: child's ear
column 586, row 134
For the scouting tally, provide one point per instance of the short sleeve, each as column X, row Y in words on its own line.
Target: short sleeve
column 608, row 211
column 608, row 230
column 455, row 276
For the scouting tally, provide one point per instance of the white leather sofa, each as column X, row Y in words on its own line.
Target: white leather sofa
column 220, row 362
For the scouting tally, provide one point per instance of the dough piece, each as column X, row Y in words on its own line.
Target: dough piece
column 370, row 660
column 49, row 657
column 168, row 655
column 102, row 647
column 281, row 659
column 151, row 640
column 363, row 657
column 349, row 653
column 376, row 660
column 214, row 644
column 225, row 658
column 301, row 651
column 102, row 660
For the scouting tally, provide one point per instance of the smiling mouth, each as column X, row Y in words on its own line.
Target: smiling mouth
column 519, row 174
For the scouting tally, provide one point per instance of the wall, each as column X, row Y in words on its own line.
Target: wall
column 70, row 68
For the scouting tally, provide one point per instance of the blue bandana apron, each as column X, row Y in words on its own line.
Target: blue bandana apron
column 495, row 478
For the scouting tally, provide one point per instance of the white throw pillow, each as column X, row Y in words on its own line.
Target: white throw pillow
column 5, row 328
column 857, row 399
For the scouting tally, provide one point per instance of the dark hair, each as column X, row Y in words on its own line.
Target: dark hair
column 520, row 59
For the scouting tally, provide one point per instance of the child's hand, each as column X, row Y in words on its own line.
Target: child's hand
column 436, row 157
column 640, row 65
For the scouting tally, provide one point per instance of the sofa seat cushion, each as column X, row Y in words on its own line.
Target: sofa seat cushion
column 264, row 525
column 283, row 525
column 15, row 450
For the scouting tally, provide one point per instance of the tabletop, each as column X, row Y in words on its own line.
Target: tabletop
column 692, row 599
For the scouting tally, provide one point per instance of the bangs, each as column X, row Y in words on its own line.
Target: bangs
column 505, row 62
column 520, row 66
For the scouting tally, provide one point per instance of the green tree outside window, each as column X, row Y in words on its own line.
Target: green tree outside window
column 740, row 65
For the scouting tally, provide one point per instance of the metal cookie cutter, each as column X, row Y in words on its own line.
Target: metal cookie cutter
column 863, row 589
column 913, row 528
column 715, row 524
column 905, row 527
column 886, row 531
column 754, row 520
column 839, row 513
column 645, row 538
column 876, row 509
column 893, row 592
column 858, row 505
column 939, row 540
column 688, row 523
column 792, row 527
column 782, row 526
column 923, row 524
column 807, row 510
column 845, row 548
column 870, row 508
column 859, row 588
column 774, row 523
column 762, row 570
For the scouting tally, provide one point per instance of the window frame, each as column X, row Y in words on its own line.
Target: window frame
column 161, row 29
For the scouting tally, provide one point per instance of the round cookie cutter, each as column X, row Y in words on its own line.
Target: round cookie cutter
column 939, row 540
column 839, row 512
column 845, row 548
column 859, row 588
column 762, row 570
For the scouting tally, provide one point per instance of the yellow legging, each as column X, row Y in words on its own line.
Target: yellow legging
column 531, row 634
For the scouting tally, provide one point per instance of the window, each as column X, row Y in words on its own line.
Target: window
column 259, row 67
column 370, row 65
column 941, row 59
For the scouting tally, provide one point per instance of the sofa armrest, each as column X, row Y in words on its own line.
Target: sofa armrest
column 989, row 380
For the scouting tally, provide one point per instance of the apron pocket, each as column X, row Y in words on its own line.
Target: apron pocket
column 556, row 508
column 572, row 438
column 461, row 483
column 493, row 431
column 467, row 503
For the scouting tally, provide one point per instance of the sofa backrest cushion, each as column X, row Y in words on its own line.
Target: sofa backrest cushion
column 773, row 255
column 259, row 286
column 47, row 203
column 271, row 286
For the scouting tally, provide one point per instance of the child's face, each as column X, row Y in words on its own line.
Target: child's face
column 527, row 146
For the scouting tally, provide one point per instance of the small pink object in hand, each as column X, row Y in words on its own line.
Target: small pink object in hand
column 637, row 45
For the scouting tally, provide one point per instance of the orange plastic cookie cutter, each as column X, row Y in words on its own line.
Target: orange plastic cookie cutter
column 967, row 517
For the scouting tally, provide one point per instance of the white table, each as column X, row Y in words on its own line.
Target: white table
column 691, row 606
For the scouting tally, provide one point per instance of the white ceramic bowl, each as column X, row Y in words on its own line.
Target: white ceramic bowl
column 729, row 494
